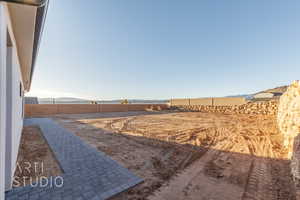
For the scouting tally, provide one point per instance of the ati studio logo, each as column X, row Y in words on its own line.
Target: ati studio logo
column 33, row 174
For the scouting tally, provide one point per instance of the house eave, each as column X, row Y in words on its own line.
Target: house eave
column 39, row 27
column 27, row 18
column 37, row 3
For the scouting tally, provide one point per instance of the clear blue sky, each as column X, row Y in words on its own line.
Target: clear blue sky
column 110, row 49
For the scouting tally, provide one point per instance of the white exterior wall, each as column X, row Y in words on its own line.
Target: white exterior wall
column 2, row 99
column 17, row 109
column 9, row 90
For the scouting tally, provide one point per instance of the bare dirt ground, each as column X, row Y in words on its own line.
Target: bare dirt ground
column 35, row 158
column 192, row 155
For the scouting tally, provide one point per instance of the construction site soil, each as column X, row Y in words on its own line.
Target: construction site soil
column 192, row 155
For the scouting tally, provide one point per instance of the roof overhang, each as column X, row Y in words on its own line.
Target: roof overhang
column 27, row 19
column 38, row 3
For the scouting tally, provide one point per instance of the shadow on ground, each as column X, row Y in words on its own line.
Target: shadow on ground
column 173, row 170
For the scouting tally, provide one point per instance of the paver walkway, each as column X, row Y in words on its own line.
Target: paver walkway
column 88, row 173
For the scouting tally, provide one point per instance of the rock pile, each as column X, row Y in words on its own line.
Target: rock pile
column 265, row 108
column 288, row 119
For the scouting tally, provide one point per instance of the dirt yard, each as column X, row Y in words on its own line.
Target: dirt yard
column 35, row 158
column 192, row 155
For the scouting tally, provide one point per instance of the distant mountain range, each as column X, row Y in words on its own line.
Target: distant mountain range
column 246, row 96
column 71, row 100
column 280, row 89
column 62, row 99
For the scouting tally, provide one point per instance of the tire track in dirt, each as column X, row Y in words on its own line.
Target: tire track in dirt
column 187, row 183
column 229, row 156
column 257, row 182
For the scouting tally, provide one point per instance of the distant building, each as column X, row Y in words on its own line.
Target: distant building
column 267, row 95
column 31, row 100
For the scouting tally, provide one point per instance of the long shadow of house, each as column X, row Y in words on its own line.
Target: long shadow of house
column 256, row 177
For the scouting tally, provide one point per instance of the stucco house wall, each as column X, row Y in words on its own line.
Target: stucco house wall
column 11, row 101
column 21, row 26
column 2, row 101
column 17, row 92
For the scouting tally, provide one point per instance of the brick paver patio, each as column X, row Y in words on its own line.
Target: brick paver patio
column 88, row 174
